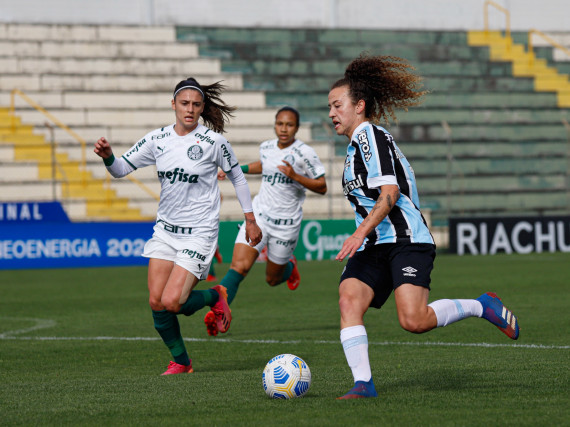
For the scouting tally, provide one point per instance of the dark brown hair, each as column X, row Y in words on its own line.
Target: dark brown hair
column 385, row 83
column 216, row 112
column 291, row 110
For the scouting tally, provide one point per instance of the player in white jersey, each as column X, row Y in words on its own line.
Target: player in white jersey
column 391, row 249
column 187, row 156
column 289, row 167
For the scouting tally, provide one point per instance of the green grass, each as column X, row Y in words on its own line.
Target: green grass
column 57, row 369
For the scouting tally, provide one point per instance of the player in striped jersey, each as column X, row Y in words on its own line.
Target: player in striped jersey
column 392, row 248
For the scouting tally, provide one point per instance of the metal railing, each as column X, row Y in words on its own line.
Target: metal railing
column 546, row 37
column 63, row 126
column 501, row 9
column 46, row 113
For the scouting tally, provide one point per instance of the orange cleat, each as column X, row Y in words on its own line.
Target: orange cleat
column 176, row 368
column 295, row 278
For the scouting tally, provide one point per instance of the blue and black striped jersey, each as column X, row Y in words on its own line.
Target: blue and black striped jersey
column 373, row 159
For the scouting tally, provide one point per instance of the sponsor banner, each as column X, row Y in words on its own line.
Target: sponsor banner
column 318, row 239
column 30, row 212
column 59, row 245
column 522, row 235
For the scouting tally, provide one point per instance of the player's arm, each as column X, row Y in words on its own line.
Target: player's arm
column 318, row 185
column 116, row 167
column 252, row 231
column 389, row 195
column 253, row 168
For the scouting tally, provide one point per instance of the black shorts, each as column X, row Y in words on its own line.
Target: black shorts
column 386, row 266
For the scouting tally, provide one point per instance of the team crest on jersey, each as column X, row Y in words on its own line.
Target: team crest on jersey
column 289, row 158
column 195, row 152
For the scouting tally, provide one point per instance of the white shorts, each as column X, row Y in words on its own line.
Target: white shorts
column 280, row 240
column 193, row 252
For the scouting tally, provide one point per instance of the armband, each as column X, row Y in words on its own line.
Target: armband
column 109, row 160
column 244, row 168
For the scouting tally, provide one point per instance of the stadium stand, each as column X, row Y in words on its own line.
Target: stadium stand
column 483, row 142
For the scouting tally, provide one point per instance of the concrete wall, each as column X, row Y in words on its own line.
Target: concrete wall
column 544, row 15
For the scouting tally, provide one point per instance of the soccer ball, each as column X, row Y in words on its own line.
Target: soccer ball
column 286, row 376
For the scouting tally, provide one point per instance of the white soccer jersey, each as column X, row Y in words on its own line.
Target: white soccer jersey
column 187, row 168
column 279, row 196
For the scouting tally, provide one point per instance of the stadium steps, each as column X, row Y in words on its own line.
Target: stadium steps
column 31, row 169
column 116, row 82
column 524, row 64
column 506, row 141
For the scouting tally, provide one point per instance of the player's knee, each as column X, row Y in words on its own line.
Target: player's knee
column 155, row 304
column 273, row 280
column 171, row 305
column 413, row 324
column 347, row 303
column 241, row 268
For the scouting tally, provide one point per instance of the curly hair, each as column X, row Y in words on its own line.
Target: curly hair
column 216, row 112
column 385, row 83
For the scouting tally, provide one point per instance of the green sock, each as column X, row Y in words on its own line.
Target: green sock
column 167, row 325
column 198, row 300
column 288, row 271
column 231, row 281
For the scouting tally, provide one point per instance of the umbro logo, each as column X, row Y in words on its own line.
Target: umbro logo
column 409, row 271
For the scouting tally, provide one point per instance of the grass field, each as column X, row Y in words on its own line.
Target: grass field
column 78, row 347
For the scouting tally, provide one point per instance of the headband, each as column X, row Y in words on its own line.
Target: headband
column 189, row 87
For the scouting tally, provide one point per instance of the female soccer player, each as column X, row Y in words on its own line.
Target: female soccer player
column 392, row 248
column 288, row 167
column 187, row 155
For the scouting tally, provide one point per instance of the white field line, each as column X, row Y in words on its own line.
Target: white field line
column 47, row 323
column 238, row 341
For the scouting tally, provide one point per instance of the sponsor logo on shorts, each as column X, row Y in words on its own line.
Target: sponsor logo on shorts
column 285, row 242
column 194, row 254
column 409, row 271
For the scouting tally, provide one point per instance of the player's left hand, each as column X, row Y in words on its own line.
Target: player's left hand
column 349, row 247
column 287, row 169
column 253, row 233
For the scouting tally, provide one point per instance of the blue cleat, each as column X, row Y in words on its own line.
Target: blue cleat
column 499, row 315
column 360, row 390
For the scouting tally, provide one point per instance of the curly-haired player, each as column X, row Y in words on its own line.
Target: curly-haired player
column 392, row 248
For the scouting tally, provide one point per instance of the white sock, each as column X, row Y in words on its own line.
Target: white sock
column 355, row 344
column 451, row 310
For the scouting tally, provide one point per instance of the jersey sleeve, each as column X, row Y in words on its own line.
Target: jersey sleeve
column 225, row 156
column 141, row 154
column 312, row 164
column 375, row 151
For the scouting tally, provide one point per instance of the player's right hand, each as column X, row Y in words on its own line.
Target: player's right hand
column 103, row 148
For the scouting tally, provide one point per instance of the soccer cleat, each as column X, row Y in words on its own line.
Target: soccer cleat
column 295, row 278
column 176, row 368
column 210, row 321
column 499, row 315
column 360, row 390
column 221, row 310
column 211, row 278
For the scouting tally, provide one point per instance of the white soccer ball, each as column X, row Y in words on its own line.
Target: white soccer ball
column 286, row 376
